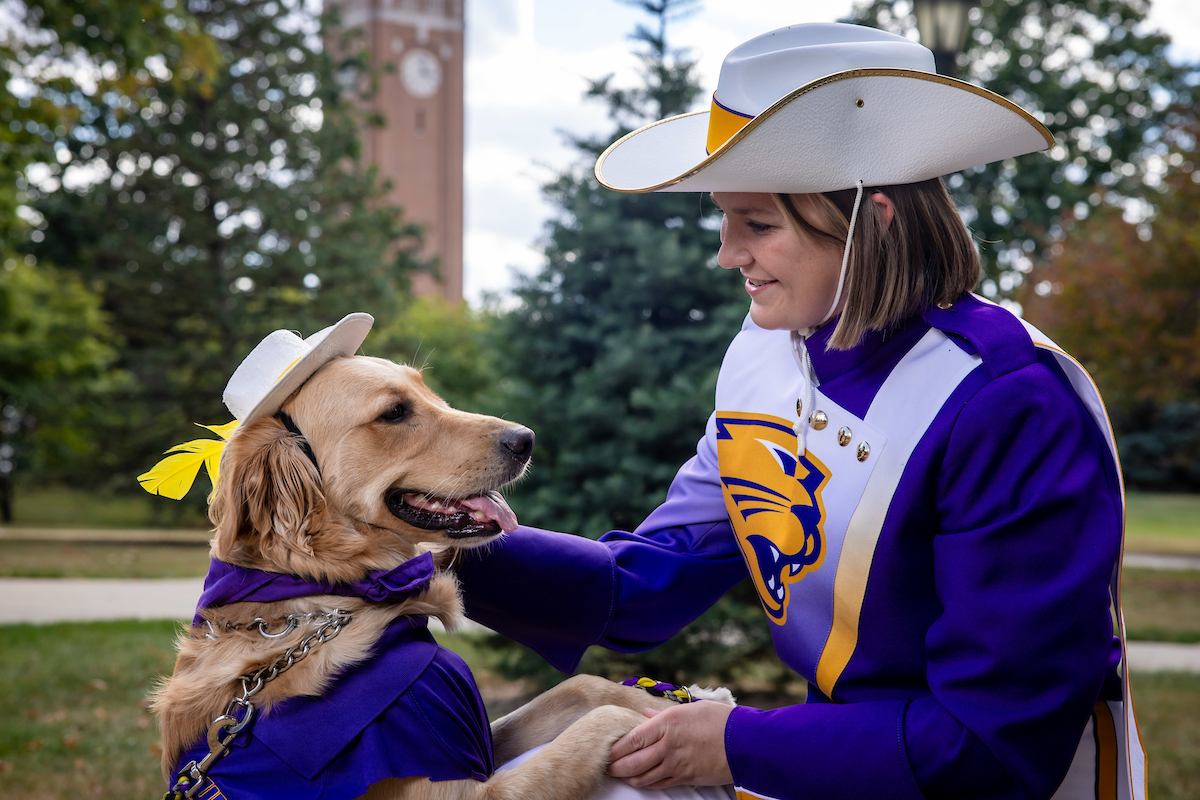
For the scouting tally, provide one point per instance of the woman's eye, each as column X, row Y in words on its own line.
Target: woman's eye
column 395, row 413
column 758, row 227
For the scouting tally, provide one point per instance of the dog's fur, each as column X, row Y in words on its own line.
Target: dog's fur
column 374, row 428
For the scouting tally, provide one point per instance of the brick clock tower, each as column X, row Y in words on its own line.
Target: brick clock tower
column 420, row 147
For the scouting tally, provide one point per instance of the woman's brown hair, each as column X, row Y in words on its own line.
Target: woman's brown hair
column 924, row 256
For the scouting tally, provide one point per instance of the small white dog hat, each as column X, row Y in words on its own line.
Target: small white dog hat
column 282, row 362
column 276, row 367
column 820, row 107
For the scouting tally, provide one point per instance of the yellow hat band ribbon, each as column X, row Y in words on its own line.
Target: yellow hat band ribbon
column 723, row 123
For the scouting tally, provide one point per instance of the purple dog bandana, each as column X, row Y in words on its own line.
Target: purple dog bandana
column 226, row 583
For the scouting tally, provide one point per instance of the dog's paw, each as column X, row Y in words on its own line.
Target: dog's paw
column 717, row 695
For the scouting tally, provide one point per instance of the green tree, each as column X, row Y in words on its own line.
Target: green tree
column 612, row 358
column 51, row 54
column 55, row 350
column 209, row 212
column 1123, row 299
column 618, row 337
column 1099, row 80
column 56, row 340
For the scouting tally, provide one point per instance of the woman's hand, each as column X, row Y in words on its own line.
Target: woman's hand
column 684, row 745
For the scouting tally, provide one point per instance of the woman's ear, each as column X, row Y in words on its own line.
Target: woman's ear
column 886, row 209
column 268, row 495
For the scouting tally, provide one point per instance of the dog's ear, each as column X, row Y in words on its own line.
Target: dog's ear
column 268, row 496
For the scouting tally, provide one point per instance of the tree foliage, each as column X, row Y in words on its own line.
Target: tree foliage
column 612, row 358
column 213, row 203
column 55, row 354
column 1123, row 299
column 617, row 340
column 1099, row 80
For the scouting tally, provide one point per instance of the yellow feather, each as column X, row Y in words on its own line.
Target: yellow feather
column 174, row 475
column 224, row 431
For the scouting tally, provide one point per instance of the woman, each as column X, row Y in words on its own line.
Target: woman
column 922, row 488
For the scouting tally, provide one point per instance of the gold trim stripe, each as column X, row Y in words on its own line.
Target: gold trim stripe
column 867, row 520
column 805, row 89
column 1106, row 752
column 289, row 368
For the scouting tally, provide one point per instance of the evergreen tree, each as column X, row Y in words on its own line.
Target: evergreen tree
column 210, row 211
column 612, row 358
column 1092, row 73
column 615, row 347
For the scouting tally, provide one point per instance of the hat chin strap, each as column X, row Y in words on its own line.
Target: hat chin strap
column 837, row 296
column 801, row 349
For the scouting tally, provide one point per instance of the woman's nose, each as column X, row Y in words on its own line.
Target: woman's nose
column 732, row 254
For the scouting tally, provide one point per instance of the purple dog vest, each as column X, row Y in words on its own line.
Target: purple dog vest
column 410, row 709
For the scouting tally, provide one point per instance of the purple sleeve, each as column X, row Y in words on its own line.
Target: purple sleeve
column 559, row 593
column 1030, row 516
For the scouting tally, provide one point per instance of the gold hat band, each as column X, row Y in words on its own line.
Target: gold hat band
column 723, row 123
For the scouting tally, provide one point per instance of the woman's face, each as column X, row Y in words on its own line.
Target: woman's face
column 790, row 277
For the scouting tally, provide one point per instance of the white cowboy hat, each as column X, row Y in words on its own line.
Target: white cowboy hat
column 282, row 362
column 820, row 107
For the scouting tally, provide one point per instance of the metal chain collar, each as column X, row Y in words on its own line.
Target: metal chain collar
column 225, row 728
column 262, row 625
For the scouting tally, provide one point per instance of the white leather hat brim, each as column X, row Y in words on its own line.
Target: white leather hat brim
column 909, row 126
column 338, row 340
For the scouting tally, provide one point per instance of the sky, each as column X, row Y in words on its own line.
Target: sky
column 528, row 62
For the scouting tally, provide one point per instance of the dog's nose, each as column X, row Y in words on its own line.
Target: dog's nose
column 518, row 442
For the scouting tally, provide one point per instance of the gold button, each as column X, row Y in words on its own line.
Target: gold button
column 944, row 306
column 844, row 436
column 859, row 102
column 799, row 408
column 818, row 420
column 864, row 450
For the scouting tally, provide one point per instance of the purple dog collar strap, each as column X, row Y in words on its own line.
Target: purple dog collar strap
column 227, row 583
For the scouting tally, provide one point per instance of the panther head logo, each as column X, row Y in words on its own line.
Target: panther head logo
column 774, row 501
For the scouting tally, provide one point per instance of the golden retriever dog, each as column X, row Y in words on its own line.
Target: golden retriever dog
column 392, row 472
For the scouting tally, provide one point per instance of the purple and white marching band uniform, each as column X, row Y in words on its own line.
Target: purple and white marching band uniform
column 936, row 552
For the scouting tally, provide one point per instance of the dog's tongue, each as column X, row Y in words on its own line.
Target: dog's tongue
column 493, row 506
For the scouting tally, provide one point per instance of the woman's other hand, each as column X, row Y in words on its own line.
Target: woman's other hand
column 684, row 745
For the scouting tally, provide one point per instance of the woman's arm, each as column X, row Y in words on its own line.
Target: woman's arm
column 559, row 594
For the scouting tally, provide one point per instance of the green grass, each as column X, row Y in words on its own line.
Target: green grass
column 73, row 721
column 23, row 558
column 1162, row 523
column 1161, row 605
column 1168, row 712
column 72, row 717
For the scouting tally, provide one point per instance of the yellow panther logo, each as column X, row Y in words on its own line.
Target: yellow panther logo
column 774, row 501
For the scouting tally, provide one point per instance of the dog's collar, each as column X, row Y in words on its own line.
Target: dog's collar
column 292, row 427
column 228, row 583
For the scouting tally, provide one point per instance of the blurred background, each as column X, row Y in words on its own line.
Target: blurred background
column 181, row 177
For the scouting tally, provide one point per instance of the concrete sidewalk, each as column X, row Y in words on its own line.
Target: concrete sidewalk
column 44, row 600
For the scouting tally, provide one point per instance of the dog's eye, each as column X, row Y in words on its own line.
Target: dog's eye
column 395, row 413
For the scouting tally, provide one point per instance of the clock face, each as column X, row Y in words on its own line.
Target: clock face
column 421, row 73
